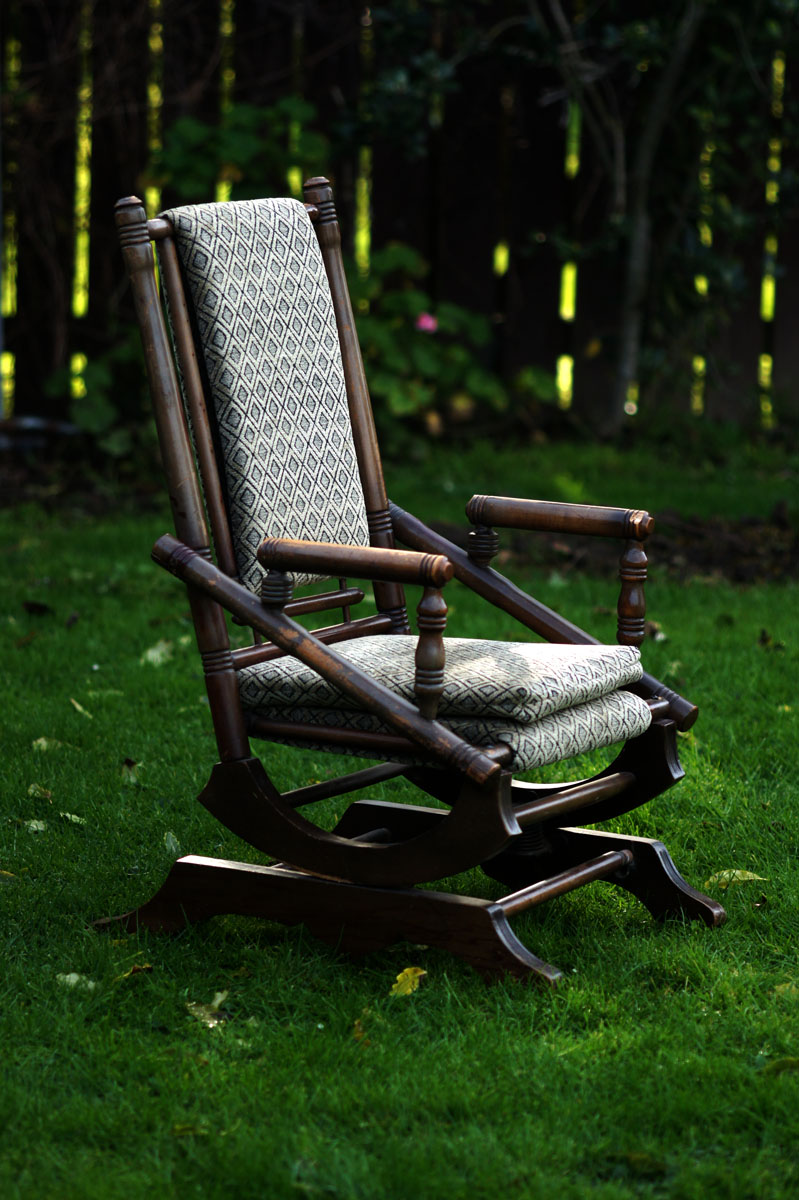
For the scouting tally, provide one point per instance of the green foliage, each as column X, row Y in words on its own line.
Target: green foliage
column 252, row 148
column 423, row 361
column 108, row 401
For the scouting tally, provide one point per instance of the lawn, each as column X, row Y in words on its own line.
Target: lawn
column 243, row 1059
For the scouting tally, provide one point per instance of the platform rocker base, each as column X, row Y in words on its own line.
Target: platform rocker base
column 356, row 918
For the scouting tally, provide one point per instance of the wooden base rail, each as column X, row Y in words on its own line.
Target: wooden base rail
column 343, row 784
column 582, row 795
column 566, row 881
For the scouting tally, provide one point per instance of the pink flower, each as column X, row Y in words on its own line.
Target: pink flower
column 426, row 323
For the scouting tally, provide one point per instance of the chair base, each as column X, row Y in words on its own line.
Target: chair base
column 357, row 918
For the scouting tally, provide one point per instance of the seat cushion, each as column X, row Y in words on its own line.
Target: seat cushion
column 516, row 681
column 561, row 735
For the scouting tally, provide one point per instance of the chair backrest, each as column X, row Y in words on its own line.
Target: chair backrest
column 259, row 395
column 263, row 319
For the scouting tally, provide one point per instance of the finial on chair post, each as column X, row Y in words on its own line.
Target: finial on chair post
column 131, row 223
column 318, row 193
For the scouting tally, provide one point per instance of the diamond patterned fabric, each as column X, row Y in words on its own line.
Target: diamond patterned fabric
column 547, row 702
column 255, row 277
column 520, row 681
column 559, row 736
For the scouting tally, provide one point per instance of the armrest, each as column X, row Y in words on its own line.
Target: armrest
column 371, row 562
column 362, row 562
column 547, row 516
column 633, row 525
column 402, row 717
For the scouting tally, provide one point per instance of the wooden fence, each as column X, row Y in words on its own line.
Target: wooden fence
column 90, row 87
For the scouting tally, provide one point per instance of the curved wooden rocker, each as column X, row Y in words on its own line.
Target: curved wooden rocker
column 267, row 436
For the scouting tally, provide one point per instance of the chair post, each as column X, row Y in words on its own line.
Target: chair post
column 184, row 489
column 389, row 597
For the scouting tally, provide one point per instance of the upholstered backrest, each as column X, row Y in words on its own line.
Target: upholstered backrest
column 256, row 281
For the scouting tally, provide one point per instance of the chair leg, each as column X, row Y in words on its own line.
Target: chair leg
column 352, row 917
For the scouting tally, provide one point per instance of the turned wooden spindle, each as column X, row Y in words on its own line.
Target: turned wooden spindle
column 631, row 626
column 428, row 684
column 277, row 588
column 482, row 544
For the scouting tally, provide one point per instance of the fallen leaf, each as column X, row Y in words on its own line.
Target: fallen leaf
column 80, row 709
column 136, row 969
column 158, row 654
column 37, row 609
column 79, row 982
column 44, row 743
column 408, row 981
column 6, row 875
column 35, row 826
column 72, row 818
column 781, row 1065
column 129, row 771
column 767, row 641
column 187, row 1129
column 211, row 1014
column 172, row 844
column 39, row 793
column 359, row 1033
column 723, row 879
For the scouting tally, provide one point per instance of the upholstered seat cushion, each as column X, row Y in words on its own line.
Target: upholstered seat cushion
column 545, row 702
column 561, row 735
column 517, row 681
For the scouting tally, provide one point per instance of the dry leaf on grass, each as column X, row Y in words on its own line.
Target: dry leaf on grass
column 136, row 969
column 408, row 981
column 80, row 983
column 44, row 743
column 158, row 654
column 211, row 1014
column 723, row 879
column 781, row 1065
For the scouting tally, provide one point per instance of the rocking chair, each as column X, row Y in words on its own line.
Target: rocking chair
column 267, row 436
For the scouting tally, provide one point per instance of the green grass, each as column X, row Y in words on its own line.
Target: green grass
column 665, row 1066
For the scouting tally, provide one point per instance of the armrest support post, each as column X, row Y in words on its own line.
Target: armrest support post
column 428, row 683
column 632, row 602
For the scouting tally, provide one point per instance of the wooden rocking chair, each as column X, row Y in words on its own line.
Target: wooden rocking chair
column 265, row 425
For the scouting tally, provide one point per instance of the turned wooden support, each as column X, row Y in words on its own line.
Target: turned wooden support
column 482, row 544
column 276, row 589
column 428, row 684
column 631, row 628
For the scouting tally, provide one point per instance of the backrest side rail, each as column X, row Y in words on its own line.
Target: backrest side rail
column 389, row 597
column 195, row 398
column 184, row 488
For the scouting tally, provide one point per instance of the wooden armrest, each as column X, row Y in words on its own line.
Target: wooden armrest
column 198, row 572
column 362, row 562
column 553, row 517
